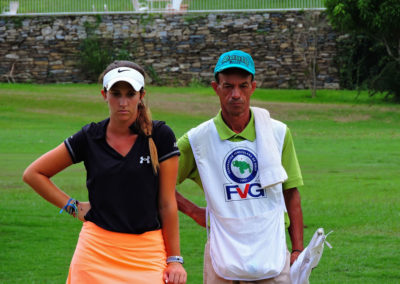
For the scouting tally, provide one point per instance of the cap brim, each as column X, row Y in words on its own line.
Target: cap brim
column 240, row 66
column 135, row 84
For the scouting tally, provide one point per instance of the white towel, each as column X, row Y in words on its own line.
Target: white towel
column 268, row 155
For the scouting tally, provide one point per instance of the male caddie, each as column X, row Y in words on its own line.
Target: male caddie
column 246, row 164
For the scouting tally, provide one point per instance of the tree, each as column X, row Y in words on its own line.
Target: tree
column 378, row 20
column 306, row 46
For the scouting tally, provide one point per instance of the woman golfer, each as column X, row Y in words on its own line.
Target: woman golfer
column 130, row 230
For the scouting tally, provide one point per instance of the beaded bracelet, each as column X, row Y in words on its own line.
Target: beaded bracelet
column 298, row 250
column 71, row 207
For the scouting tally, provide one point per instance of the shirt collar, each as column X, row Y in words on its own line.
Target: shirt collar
column 99, row 132
column 225, row 133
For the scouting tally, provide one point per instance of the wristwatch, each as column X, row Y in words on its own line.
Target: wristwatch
column 175, row 258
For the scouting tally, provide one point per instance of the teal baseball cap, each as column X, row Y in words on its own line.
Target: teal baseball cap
column 235, row 59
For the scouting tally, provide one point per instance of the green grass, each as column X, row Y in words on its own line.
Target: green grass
column 51, row 6
column 349, row 151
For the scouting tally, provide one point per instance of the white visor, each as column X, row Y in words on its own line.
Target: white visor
column 132, row 76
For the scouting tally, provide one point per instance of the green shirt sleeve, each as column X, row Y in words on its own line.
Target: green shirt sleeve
column 290, row 163
column 187, row 163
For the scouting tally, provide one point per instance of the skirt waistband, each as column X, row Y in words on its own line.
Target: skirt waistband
column 92, row 231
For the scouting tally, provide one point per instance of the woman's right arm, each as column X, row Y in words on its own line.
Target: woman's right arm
column 38, row 175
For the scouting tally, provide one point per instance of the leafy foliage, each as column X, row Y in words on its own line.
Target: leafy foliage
column 94, row 57
column 373, row 45
column 96, row 53
column 359, row 59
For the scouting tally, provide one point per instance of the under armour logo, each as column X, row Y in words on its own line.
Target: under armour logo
column 147, row 159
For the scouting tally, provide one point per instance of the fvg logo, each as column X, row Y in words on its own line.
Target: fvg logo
column 241, row 167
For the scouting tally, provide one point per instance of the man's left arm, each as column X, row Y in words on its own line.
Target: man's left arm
column 292, row 195
column 293, row 206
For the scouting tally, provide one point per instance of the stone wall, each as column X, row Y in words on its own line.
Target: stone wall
column 174, row 49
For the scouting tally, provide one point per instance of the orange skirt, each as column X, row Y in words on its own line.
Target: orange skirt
column 103, row 256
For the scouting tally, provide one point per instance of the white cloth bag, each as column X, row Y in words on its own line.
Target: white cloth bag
column 301, row 269
column 251, row 248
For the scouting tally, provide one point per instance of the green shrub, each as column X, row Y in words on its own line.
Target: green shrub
column 370, row 56
column 95, row 57
column 96, row 53
column 358, row 60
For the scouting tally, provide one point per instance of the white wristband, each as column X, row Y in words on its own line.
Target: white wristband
column 175, row 258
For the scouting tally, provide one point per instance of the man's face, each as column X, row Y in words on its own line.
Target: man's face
column 234, row 92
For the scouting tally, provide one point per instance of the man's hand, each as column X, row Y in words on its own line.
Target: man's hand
column 199, row 216
column 83, row 209
column 293, row 205
column 293, row 256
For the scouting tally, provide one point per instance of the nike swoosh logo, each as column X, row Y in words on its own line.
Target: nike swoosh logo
column 119, row 70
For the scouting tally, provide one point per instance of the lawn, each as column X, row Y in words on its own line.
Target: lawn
column 51, row 6
column 348, row 147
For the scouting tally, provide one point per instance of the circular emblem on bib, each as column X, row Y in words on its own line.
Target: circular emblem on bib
column 241, row 165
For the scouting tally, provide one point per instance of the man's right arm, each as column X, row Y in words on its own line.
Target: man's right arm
column 188, row 169
column 198, row 214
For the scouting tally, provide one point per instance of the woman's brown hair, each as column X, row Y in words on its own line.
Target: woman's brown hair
column 143, row 122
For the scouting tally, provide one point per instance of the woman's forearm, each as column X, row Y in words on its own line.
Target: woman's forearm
column 170, row 229
column 167, row 205
column 45, row 188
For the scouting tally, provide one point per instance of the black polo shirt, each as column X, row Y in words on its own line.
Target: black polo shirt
column 123, row 191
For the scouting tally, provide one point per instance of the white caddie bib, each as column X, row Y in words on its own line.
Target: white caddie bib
column 247, row 231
